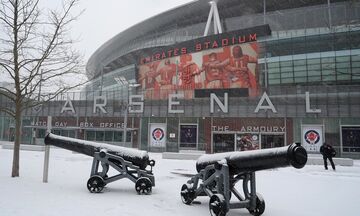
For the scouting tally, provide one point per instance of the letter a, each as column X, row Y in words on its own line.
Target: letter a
column 265, row 107
column 68, row 106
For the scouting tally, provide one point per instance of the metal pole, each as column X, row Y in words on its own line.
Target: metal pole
column 265, row 56
column 47, row 153
column 126, row 115
column 329, row 14
column 209, row 20
column 102, row 79
column 264, row 10
column 41, row 74
column 34, row 130
column 177, row 76
column 217, row 19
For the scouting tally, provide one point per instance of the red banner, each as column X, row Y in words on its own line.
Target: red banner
column 222, row 68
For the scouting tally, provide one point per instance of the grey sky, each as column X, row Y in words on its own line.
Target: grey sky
column 104, row 19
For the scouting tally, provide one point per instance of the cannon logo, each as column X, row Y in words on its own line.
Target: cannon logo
column 312, row 137
column 158, row 134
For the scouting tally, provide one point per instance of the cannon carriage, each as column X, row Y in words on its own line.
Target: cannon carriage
column 130, row 163
column 219, row 173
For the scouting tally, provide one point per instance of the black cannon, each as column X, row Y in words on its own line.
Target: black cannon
column 130, row 163
column 220, row 172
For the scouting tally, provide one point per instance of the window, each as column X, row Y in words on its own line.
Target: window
column 56, row 132
column 313, row 61
column 274, row 81
column 300, row 79
column 286, row 75
column 343, row 65
column 274, row 76
column 314, row 67
column 90, row 135
column 109, row 135
column 188, row 136
column 64, row 133
column 300, row 68
column 118, row 136
column 343, row 74
column 355, row 64
column 286, row 64
column 100, row 135
column 41, row 133
column 300, row 73
column 286, row 69
column 351, row 138
column 287, row 80
column 128, row 136
column 72, row 133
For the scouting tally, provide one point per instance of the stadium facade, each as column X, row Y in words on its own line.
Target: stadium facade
column 280, row 72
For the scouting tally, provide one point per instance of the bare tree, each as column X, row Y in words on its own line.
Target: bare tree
column 36, row 51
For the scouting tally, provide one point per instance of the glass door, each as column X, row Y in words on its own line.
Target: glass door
column 272, row 141
column 224, row 142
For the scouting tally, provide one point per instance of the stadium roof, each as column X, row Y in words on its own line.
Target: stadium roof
column 113, row 53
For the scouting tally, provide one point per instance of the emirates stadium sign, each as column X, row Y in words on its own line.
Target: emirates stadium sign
column 223, row 61
column 206, row 43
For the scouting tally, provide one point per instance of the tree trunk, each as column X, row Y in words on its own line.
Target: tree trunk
column 16, row 155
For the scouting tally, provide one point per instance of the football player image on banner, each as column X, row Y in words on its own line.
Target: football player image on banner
column 158, row 79
column 312, row 137
column 246, row 142
column 157, row 135
column 230, row 67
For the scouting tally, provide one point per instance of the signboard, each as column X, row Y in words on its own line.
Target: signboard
column 312, row 137
column 233, row 67
column 188, row 136
column 225, row 61
column 157, row 135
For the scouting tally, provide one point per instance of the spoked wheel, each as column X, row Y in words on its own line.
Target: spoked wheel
column 218, row 205
column 143, row 186
column 187, row 194
column 95, row 184
column 104, row 177
column 260, row 206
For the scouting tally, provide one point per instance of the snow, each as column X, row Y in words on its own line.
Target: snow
column 311, row 191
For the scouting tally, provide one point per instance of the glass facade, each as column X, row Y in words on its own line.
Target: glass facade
column 310, row 59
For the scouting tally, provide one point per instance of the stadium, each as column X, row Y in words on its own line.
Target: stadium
column 216, row 76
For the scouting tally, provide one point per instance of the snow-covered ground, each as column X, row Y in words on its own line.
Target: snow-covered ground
column 287, row 191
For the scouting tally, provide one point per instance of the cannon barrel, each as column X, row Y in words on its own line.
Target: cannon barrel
column 137, row 157
column 250, row 161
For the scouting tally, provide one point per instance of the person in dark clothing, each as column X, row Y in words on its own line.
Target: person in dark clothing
column 328, row 152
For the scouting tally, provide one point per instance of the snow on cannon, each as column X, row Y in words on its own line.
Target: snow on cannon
column 130, row 163
column 218, row 174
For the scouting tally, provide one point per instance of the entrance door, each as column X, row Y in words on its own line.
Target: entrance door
column 272, row 141
column 224, row 142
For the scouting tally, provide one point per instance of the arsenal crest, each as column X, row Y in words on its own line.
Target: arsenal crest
column 312, row 137
column 158, row 134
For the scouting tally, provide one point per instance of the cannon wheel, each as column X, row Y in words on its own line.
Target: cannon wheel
column 260, row 206
column 218, row 205
column 187, row 194
column 95, row 184
column 143, row 185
